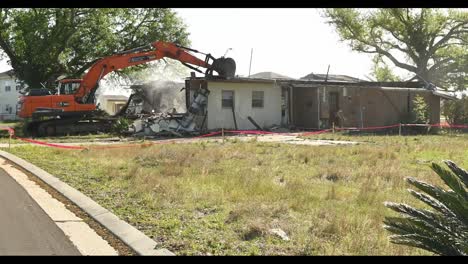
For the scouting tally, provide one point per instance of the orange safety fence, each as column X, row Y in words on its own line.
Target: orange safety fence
column 241, row 132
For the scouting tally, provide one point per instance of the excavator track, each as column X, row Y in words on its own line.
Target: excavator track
column 63, row 127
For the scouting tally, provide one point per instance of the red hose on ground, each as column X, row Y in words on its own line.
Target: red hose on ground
column 48, row 144
column 11, row 131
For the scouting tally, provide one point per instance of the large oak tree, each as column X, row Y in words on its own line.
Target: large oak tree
column 430, row 43
column 44, row 43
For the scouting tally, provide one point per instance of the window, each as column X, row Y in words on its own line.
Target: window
column 118, row 107
column 73, row 87
column 227, row 99
column 8, row 109
column 7, row 88
column 257, row 99
column 68, row 88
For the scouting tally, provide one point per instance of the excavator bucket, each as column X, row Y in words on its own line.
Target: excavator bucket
column 225, row 67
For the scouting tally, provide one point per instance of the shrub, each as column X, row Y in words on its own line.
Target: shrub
column 456, row 111
column 419, row 115
column 420, row 110
column 444, row 230
column 121, row 126
column 4, row 134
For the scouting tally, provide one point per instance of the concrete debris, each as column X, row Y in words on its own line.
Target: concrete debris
column 155, row 114
column 279, row 233
column 155, row 97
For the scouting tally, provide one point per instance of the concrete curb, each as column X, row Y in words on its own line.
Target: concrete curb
column 131, row 236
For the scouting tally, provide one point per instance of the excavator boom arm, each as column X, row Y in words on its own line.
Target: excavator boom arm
column 154, row 51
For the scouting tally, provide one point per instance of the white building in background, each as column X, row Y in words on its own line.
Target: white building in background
column 231, row 102
column 112, row 103
column 9, row 93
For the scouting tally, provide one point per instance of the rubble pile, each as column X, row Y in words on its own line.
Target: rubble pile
column 155, row 109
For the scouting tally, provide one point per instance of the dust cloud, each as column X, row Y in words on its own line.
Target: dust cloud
column 163, row 96
column 160, row 84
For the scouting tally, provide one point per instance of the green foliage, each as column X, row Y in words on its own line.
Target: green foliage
column 44, row 43
column 381, row 72
column 444, row 230
column 120, row 126
column 420, row 110
column 20, row 127
column 433, row 42
column 456, row 111
column 4, row 134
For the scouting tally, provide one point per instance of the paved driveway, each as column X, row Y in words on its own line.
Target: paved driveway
column 25, row 229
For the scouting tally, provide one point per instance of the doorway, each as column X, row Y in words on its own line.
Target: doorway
column 305, row 107
column 334, row 108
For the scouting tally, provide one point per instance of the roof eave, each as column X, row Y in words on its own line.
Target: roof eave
column 444, row 95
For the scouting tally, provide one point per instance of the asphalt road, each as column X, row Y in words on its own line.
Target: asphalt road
column 25, row 229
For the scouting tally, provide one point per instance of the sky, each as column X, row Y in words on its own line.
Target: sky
column 291, row 41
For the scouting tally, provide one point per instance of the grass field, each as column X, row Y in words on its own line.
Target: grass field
column 214, row 198
column 61, row 139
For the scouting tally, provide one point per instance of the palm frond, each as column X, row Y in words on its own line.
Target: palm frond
column 459, row 172
column 443, row 231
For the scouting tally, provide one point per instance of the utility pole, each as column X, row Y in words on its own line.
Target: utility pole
column 251, row 52
column 326, row 77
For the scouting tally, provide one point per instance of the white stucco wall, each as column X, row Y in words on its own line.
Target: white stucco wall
column 9, row 98
column 219, row 117
column 107, row 102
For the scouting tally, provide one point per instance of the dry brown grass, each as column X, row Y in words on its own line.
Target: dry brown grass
column 212, row 198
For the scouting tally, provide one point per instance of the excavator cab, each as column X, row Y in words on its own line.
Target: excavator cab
column 68, row 86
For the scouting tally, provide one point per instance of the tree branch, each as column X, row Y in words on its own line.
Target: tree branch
column 392, row 32
column 84, row 67
column 449, row 34
column 380, row 50
column 393, row 45
column 400, row 17
column 10, row 53
column 395, row 61
column 435, row 35
column 439, row 64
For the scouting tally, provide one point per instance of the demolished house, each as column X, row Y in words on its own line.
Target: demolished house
column 253, row 103
column 319, row 104
column 160, row 108
column 208, row 104
column 167, row 108
column 112, row 103
column 239, row 103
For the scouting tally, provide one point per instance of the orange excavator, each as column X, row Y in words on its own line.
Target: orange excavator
column 72, row 108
